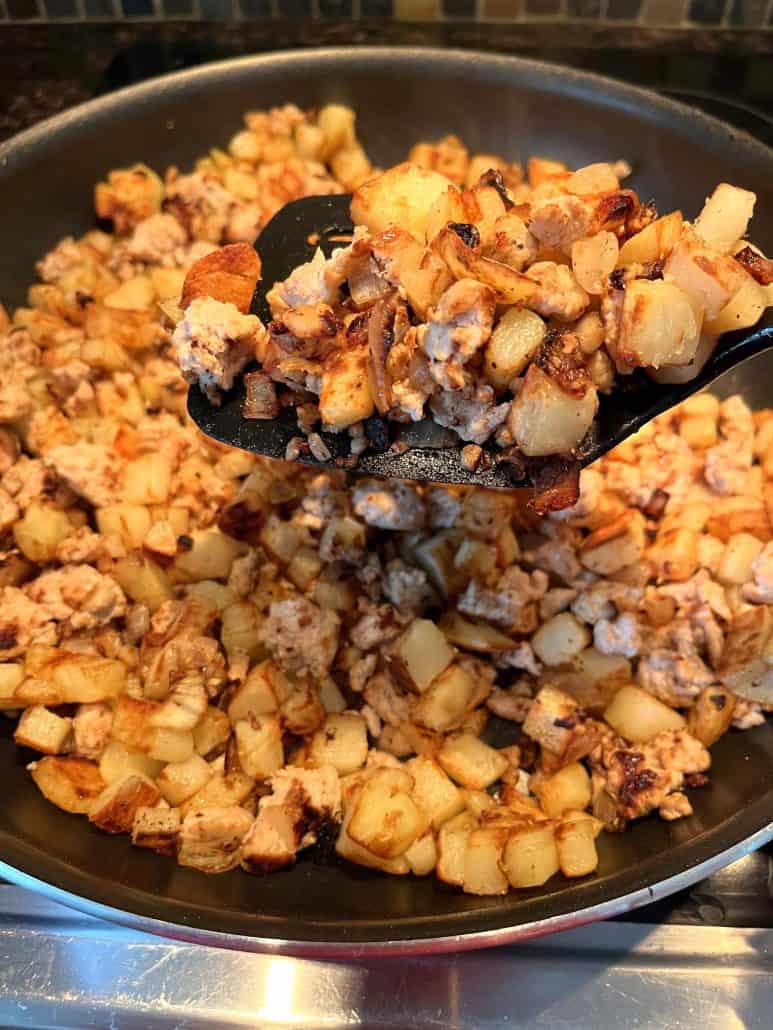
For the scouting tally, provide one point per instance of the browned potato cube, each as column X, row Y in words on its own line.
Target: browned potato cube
column 179, row 781
column 341, row 742
column 433, row 791
column 419, row 655
column 385, row 820
column 639, row 716
column 346, row 395
column 471, row 762
column 547, row 719
column 43, row 731
column 568, row 789
column 575, row 841
column 403, row 196
column 530, row 856
column 452, row 843
column 259, row 745
column 446, row 702
column 482, row 861
column 72, row 784
column 114, row 810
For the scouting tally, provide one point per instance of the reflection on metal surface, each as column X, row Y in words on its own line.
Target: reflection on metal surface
column 60, row 968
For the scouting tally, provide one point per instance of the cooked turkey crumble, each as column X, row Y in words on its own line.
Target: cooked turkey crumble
column 234, row 660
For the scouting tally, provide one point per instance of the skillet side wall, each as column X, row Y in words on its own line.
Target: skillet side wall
column 498, row 105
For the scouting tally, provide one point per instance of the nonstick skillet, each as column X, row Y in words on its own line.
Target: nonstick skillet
column 496, row 104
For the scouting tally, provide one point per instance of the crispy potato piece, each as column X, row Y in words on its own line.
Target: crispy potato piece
column 72, row 784
column 433, row 791
column 712, row 715
column 482, row 873
column 345, row 397
column 157, row 829
column 385, row 820
column 654, row 242
column 471, row 762
column 341, row 742
column 576, row 844
column 447, row 700
column 179, row 781
column 452, row 843
column 229, row 274
column 419, row 655
column 551, row 718
column 403, row 196
column 530, row 856
column 509, row 285
column 639, row 716
column 568, row 789
column 474, row 636
column 115, row 808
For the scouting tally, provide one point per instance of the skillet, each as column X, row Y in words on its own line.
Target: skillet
column 513, row 106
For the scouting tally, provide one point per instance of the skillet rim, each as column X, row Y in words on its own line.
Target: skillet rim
column 658, row 875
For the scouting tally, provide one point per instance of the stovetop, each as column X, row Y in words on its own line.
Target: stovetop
column 701, row 958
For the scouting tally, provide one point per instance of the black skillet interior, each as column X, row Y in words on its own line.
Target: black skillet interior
column 495, row 104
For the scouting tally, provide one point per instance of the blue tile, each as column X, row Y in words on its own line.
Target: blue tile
column 216, row 10
column 137, row 8
column 458, row 8
column 22, row 9
column 99, row 8
column 707, row 12
column 56, row 9
column 623, row 10
column 256, row 8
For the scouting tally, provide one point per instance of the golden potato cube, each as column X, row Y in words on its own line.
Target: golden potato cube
column 211, row 555
column 259, row 745
column 11, row 676
column 147, row 479
column 40, row 530
column 735, row 566
column 515, row 341
column 143, row 580
column 240, row 629
column 403, row 196
column 421, row 856
column 43, row 730
column 576, row 844
column 179, row 781
column 639, row 716
column 72, row 784
column 549, row 720
column 130, row 522
column 482, row 861
column 560, row 639
column 447, row 700
column 117, row 762
column 530, row 856
column 349, row 849
column 568, row 789
column 546, row 420
column 385, row 820
column 419, row 655
column 261, row 693
column 433, row 791
column 725, row 216
column 341, row 742
column 470, row 762
column 474, row 636
column 346, row 397
column 655, row 241
column 114, row 810
column 452, row 843
column 711, row 715
column 168, row 745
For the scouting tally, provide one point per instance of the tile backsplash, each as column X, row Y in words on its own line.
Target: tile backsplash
column 672, row 14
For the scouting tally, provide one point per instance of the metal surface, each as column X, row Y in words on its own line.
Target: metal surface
column 60, row 969
column 332, row 908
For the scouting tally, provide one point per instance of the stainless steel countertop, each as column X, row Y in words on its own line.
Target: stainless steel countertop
column 59, row 968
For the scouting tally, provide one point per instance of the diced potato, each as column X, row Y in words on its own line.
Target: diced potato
column 280, row 539
column 593, row 259
column 262, row 693
column 117, row 762
column 210, row 556
column 448, row 699
column 433, row 791
column 478, row 801
column 221, row 791
column 421, row 856
column 576, row 844
column 514, row 342
column 259, row 745
column 541, row 169
column 549, row 720
column 594, row 678
column 560, row 639
column 43, row 730
column 341, row 742
column 436, row 556
column 474, row 636
column 40, row 530
column 211, row 733
column 403, row 196
column 167, row 282
column 568, row 789
column 130, row 522
column 419, row 655
column 470, row 762
column 452, row 844
column 530, row 856
column 422, row 274
column 304, row 567
column 385, row 820
column 654, row 242
column 482, row 861
column 545, row 420
column 639, row 716
column 354, row 852
column 74, row 678
column 72, row 784
column 331, row 697
column 659, row 325
column 346, row 397
column 134, row 294
column 167, row 745
column 674, row 555
column 744, row 309
column 143, row 580
column 449, row 207
column 157, row 829
column 115, row 808
column 615, row 546
column 735, row 566
column 212, row 593
column 240, row 630
column 11, row 676
column 725, row 217
column 179, row 781
column 302, row 712
column 148, row 479
column 711, row 715
column 743, row 663
column 708, row 277
column 508, row 284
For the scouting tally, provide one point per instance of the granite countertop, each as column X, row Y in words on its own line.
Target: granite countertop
column 47, row 68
